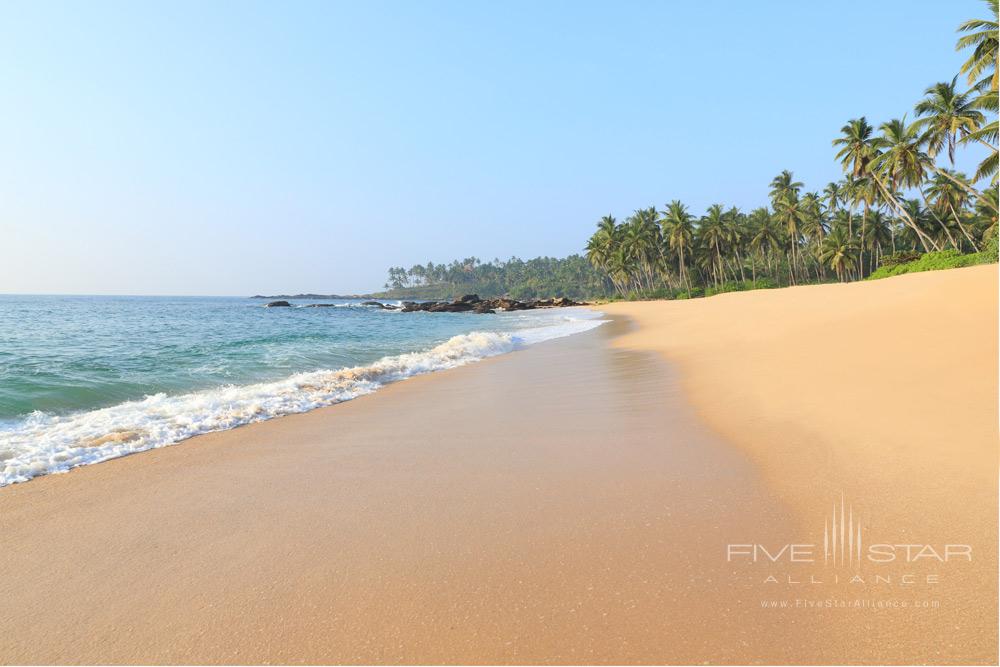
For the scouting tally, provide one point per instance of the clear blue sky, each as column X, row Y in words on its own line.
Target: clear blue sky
column 237, row 147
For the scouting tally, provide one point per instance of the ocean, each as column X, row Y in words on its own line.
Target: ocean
column 84, row 379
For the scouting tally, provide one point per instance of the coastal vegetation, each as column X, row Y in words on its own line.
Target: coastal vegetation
column 900, row 198
column 935, row 261
column 901, row 206
column 541, row 277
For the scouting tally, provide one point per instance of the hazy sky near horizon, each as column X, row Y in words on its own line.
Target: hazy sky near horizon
column 238, row 147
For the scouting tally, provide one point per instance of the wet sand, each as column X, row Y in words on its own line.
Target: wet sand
column 557, row 505
column 884, row 394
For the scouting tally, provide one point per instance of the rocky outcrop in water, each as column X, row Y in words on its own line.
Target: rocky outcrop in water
column 471, row 303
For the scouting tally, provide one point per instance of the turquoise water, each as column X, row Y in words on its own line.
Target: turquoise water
column 84, row 379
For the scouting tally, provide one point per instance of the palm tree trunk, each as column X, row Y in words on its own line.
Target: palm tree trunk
column 958, row 221
column 864, row 226
column 791, row 262
column 939, row 220
column 921, row 236
column 684, row 275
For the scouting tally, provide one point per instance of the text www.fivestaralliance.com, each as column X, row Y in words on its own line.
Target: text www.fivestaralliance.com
column 852, row 603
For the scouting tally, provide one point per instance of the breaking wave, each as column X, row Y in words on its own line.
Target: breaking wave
column 43, row 443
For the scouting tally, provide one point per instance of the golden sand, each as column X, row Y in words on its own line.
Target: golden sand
column 563, row 504
column 882, row 393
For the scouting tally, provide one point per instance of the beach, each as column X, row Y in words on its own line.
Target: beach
column 883, row 393
column 572, row 502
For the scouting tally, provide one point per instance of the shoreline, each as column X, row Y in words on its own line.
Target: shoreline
column 42, row 443
column 522, row 509
column 571, row 502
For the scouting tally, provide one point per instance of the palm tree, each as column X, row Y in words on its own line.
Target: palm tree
column 642, row 239
column 814, row 225
column 783, row 185
column 856, row 149
column 900, row 164
column 764, row 235
column 833, row 194
column 679, row 231
column 905, row 163
column 987, row 213
column 736, row 225
column 602, row 248
column 983, row 61
column 790, row 213
column 713, row 236
column 981, row 72
column 946, row 115
column 879, row 237
column 943, row 197
column 839, row 252
column 987, row 134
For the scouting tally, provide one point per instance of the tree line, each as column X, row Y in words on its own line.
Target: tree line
column 900, row 195
column 541, row 277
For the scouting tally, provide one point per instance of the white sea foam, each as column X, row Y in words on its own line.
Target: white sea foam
column 44, row 444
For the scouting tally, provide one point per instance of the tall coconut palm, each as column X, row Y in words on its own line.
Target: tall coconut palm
column 784, row 185
column 839, row 252
column 764, row 235
column 814, row 224
column 987, row 134
column 900, row 164
column 790, row 214
column 855, row 146
column 981, row 67
column 602, row 248
column 981, row 72
column 879, row 237
column 679, row 232
column 642, row 237
column 857, row 151
column 713, row 234
column 986, row 212
column 833, row 196
column 945, row 199
column 737, row 237
column 945, row 116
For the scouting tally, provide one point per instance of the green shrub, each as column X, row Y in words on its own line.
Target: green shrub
column 897, row 258
column 935, row 261
column 741, row 286
column 693, row 293
column 991, row 248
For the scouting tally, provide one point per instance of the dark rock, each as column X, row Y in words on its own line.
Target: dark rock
column 278, row 304
column 454, row 307
column 472, row 302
